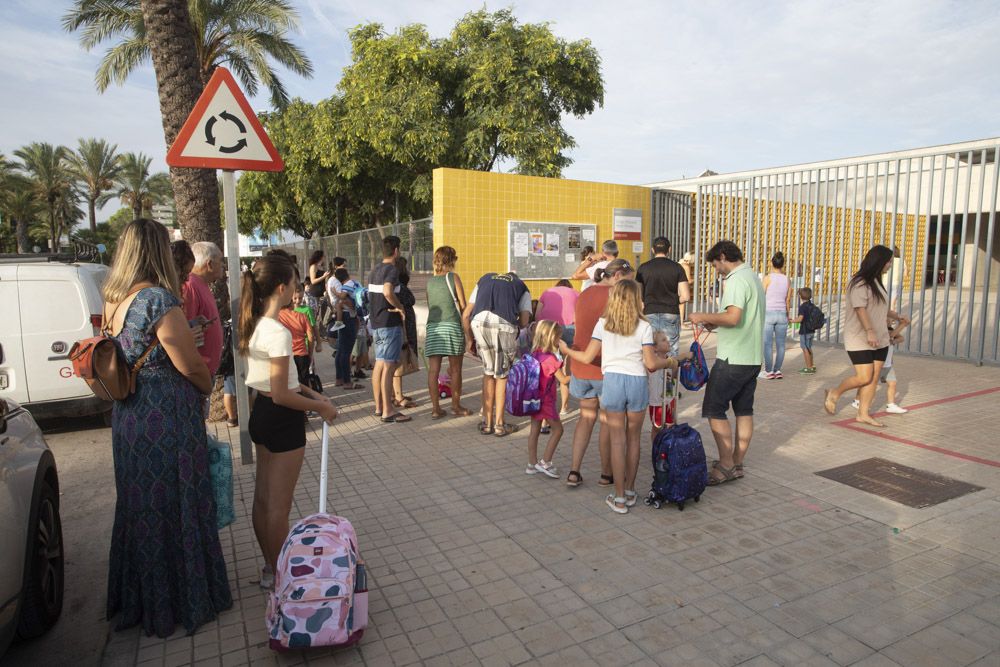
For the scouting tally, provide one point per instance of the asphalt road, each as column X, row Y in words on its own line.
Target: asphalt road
column 82, row 449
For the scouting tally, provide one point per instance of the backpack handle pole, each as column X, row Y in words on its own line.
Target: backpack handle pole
column 323, row 468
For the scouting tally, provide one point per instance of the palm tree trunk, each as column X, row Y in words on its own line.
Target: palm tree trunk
column 92, row 213
column 53, row 239
column 23, row 242
column 178, row 78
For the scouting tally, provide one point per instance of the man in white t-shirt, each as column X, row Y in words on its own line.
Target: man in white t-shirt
column 589, row 266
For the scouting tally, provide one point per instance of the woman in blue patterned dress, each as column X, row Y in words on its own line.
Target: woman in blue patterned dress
column 166, row 566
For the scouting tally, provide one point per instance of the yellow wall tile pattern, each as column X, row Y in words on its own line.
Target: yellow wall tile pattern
column 472, row 208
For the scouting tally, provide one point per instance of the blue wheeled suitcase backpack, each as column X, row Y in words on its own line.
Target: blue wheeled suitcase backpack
column 680, row 471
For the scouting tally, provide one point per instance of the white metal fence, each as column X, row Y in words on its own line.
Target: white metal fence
column 938, row 206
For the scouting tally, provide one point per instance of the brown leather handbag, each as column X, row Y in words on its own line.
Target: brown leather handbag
column 101, row 363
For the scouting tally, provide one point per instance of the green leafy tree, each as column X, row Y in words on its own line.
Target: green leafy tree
column 245, row 35
column 47, row 169
column 138, row 188
column 95, row 164
column 108, row 232
column 492, row 92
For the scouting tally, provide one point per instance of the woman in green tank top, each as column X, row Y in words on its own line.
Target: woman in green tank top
column 444, row 336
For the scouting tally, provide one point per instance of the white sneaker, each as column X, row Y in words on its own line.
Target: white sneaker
column 547, row 468
column 266, row 578
column 776, row 375
column 531, row 470
column 855, row 404
column 894, row 409
column 763, row 375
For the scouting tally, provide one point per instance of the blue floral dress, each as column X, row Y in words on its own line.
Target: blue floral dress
column 166, row 565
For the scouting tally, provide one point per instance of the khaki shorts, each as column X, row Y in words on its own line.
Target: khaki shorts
column 496, row 344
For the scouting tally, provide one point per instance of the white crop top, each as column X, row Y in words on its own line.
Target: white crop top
column 270, row 339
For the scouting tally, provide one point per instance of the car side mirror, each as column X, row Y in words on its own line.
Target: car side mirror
column 4, row 409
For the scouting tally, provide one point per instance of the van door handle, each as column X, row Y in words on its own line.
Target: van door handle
column 60, row 357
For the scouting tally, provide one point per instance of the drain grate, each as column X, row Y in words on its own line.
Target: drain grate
column 902, row 484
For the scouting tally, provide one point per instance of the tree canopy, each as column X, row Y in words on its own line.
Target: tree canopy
column 491, row 95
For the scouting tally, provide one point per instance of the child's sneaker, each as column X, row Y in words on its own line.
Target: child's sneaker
column 531, row 470
column 547, row 468
column 804, row 371
column 855, row 404
column 776, row 375
column 811, row 370
column 894, row 409
column 763, row 375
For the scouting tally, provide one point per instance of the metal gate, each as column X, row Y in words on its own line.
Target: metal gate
column 673, row 217
column 938, row 206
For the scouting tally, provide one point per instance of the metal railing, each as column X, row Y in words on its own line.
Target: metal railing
column 938, row 208
column 363, row 249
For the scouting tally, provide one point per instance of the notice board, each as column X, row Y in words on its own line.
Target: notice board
column 546, row 250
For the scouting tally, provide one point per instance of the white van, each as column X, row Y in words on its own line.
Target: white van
column 45, row 307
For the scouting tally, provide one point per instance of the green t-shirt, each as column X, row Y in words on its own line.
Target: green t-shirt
column 309, row 313
column 743, row 344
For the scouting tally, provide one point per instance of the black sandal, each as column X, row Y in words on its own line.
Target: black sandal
column 606, row 480
column 577, row 478
column 503, row 430
column 485, row 429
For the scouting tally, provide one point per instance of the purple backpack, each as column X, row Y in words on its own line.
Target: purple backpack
column 524, row 390
column 694, row 371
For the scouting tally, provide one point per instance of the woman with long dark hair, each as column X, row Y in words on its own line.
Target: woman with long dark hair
column 316, row 284
column 866, row 332
column 778, row 293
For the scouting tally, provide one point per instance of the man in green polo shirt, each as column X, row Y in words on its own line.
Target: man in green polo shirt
column 740, row 352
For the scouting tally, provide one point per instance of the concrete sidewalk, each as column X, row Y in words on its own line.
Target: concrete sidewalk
column 471, row 561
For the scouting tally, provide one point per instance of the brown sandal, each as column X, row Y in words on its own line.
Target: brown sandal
column 728, row 475
column 437, row 414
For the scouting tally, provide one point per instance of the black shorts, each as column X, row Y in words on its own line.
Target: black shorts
column 302, row 364
column 862, row 357
column 730, row 384
column 276, row 427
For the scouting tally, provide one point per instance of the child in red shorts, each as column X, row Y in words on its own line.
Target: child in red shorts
column 545, row 344
column 662, row 397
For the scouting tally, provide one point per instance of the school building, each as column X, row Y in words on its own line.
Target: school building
column 937, row 205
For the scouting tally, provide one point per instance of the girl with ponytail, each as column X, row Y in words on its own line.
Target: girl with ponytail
column 278, row 421
column 778, row 291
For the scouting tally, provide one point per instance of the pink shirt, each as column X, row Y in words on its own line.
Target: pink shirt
column 559, row 305
column 198, row 300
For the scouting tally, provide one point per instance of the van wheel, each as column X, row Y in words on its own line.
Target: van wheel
column 43, row 582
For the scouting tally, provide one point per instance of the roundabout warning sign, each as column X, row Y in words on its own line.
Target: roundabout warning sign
column 222, row 132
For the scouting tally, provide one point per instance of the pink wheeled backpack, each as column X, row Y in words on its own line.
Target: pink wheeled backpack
column 320, row 595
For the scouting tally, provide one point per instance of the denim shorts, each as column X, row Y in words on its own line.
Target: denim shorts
column 229, row 385
column 806, row 341
column 730, row 384
column 581, row 389
column 624, row 393
column 388, row 343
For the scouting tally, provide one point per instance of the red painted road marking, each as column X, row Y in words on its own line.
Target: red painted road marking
column 855, row 426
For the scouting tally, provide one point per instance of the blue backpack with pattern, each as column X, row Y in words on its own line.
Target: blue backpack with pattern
column 694, row 371
column 524, row 387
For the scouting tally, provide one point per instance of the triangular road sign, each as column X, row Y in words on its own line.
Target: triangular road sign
column 222, row 132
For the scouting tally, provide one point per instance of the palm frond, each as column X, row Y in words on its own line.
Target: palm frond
column 120, row 61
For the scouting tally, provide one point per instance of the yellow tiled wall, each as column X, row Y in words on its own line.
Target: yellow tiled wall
column 472, row 208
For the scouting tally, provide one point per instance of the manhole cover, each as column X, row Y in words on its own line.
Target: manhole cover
column 903, row 484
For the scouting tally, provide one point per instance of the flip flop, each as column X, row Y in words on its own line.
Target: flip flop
column 397, row 418
column 437, row 414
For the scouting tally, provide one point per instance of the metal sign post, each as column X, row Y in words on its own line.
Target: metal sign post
column 235, row 276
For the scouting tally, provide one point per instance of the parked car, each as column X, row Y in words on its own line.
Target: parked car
column 31, row 550
column 47, row 306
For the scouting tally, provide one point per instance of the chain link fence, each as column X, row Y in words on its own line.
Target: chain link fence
column 363, row 249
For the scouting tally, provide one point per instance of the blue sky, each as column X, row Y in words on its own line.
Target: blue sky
column 689, row 85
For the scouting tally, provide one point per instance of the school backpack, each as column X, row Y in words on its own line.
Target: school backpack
column 359, row 297
column 524, row 391
column 680, row 471
column 320, row 595
column 694, row 371
column 814, row 319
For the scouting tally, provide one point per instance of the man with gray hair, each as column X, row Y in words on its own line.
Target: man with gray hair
column 199, row 303
column 587, row 268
